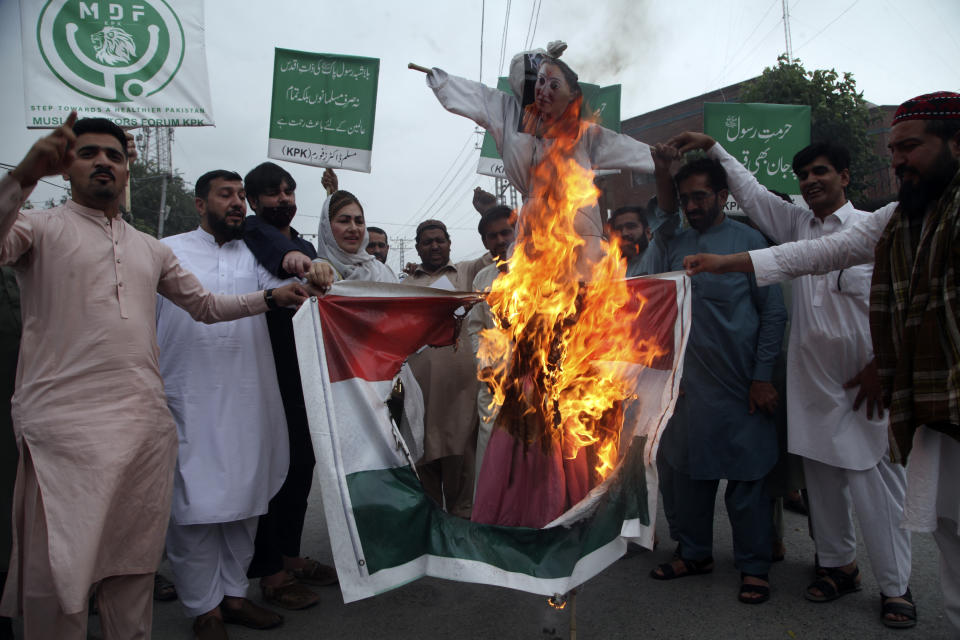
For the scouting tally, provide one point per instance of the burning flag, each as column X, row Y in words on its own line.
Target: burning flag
column 384, row 530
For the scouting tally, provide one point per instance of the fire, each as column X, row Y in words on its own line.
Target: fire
column 557, row 362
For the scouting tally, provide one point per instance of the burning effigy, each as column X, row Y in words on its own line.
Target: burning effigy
column 570, row 346
column 556, row 362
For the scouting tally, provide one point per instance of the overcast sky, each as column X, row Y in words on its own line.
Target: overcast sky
column 660, row 52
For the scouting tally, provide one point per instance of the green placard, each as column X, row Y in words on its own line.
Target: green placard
column 603, row 102
column 764, row 137
column 323, row 109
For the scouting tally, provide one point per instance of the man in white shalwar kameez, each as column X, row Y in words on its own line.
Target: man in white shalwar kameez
column 222, row 390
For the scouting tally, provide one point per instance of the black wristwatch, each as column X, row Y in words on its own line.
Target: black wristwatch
column 268, row 298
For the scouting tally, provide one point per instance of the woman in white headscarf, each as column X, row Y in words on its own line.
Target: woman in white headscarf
column 342, row 255
column 342, row 245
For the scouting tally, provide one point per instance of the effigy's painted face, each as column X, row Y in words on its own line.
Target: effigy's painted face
column 552, row 93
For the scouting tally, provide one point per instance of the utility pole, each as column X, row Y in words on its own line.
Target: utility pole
column 786, row 29
column 155, row 149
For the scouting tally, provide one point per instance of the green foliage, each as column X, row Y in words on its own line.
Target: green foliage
column 838, row 113
column 146, row 183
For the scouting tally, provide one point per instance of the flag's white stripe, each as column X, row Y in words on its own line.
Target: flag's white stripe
column 342, row 527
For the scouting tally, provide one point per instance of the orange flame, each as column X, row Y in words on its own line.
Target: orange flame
column 560, row 351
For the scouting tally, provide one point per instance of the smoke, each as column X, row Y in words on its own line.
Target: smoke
column 606, row 40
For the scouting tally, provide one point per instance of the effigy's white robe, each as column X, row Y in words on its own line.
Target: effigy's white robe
column 499, row 113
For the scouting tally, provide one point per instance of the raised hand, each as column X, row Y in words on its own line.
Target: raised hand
column 663, row 155
column 329, row 182
column 49, row 156
column 483, row 200
column 690, row 140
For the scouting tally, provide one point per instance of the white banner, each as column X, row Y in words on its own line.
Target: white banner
column 136, row 62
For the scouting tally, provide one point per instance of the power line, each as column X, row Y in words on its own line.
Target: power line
column 745, row 42
column 503, row 38
column 465, row 165
column 4, row 165
column 416, row 215
column 536, row 22
column 526, row 38
column 829, row 24
column 483, row 14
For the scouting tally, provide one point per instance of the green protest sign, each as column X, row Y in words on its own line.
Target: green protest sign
column 323, row 109
column 764, row 137
column 603, row 103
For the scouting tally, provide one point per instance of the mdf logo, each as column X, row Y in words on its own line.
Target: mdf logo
column 117, row 51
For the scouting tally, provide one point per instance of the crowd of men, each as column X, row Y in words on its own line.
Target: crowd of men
column 158, row 406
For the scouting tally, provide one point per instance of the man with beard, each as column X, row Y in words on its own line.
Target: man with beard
column 830, row 370
column 271, row 192
column 913, row 311
column 448, row 379
column 722, row 426
column 629, row 225
column 97, row 444
column 497, row 230
column 222, row 391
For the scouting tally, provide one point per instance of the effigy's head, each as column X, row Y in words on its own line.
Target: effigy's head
column 556, row 88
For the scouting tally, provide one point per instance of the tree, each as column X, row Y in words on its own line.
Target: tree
column 838, row 113
column 146, row 184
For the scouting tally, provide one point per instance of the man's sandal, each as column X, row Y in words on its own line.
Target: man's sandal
column 833, row 584
column 315, row 573
column 250, row 615
column 290, row 595
column 906, row 609
column 163, row 589
column 692, row 568
column 762, row 591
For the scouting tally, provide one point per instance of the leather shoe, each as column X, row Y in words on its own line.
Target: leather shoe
column 250, row 615
column 209, row 628
column 290, row 595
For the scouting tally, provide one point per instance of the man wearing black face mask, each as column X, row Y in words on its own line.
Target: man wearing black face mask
column 271, row 193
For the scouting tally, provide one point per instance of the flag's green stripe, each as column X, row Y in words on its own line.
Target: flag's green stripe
column 397, row 523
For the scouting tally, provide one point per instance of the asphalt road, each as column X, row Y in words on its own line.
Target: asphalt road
column 622, row 602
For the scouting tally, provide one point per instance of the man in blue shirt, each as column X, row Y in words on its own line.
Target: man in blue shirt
column 722, row 427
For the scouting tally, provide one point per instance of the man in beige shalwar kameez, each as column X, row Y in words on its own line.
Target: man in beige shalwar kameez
column 97, row 442
column 448, row 379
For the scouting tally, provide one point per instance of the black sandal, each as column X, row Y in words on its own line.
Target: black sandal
column 763, row 591
column 833, row 584
column 693, row 568
column 906, row 609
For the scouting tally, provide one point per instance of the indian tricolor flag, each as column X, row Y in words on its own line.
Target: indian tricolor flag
column 383, row 528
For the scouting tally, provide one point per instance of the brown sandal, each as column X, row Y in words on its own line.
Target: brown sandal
column 290, row 595
column 250, row 615
column 314, row 573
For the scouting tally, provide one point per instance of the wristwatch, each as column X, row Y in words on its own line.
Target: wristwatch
column 268, row 298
